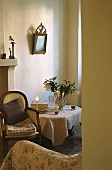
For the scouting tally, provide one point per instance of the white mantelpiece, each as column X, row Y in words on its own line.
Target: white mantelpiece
column 7, row 74
column 8, row 62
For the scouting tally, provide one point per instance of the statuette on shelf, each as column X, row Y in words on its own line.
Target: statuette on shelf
column 11, row 55
column 4, row 56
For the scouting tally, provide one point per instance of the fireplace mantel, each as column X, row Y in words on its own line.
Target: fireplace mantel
column 8, row 62
column 7, row 67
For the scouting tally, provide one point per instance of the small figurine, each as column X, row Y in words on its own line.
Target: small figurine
column 10, row 53
column 11, row 56
column 4, row 56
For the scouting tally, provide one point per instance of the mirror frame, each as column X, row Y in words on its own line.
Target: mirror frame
column 39, row 40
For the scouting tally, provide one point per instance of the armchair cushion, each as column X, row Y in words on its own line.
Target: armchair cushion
column 25, row 127
column 13, row 112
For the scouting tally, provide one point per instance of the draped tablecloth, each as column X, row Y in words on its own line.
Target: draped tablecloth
column 55, row 126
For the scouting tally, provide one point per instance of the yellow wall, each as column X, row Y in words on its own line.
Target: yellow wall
column 97, row 84
column 19, row 18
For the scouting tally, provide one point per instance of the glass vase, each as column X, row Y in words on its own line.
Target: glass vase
column 61, row 102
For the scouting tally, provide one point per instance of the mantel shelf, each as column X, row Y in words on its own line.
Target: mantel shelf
column 8, row 62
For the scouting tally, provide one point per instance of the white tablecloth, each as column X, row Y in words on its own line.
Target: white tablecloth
column 55, row 127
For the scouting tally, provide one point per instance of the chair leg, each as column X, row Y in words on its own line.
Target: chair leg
column 4, row 146
column 40, row 140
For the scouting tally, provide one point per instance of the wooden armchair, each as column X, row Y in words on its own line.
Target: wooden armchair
column 17, row 120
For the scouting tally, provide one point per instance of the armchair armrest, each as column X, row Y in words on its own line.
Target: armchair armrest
column 2, row 124
column 1, row 115
column 34, row 115
column 32, row 109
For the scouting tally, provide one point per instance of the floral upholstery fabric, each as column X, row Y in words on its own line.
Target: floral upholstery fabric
column 25, row 127
column 26, row 155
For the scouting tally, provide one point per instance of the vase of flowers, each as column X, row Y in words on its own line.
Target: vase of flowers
column 60, row 90
column 60, row 101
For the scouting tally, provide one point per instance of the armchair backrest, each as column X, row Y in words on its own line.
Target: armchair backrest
column 11, row 95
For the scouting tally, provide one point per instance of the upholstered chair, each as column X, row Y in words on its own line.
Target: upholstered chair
column 17, row 120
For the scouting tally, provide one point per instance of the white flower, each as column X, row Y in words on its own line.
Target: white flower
column 78, row 92
column 63, row 94
column 58, row 93
column 47, row 86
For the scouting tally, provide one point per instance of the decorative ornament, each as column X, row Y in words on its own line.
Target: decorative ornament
column 11, row 55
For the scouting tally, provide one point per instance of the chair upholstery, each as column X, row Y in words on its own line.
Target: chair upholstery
column 30, row 156
column 17, row 120
column 25, row 127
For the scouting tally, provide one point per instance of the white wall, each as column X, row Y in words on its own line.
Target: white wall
column 97, row 84
column 19, row 18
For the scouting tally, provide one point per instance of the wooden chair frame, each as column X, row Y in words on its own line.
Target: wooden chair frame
column 30, row 111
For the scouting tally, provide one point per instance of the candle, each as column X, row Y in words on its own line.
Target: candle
column 37, row 99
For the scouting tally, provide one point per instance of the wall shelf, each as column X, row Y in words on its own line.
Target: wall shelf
column 8, row 62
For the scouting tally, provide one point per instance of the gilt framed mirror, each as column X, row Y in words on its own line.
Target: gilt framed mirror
column 40, row 40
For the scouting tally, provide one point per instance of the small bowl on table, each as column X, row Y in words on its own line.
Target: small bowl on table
column 56, row 112
column 73, row 107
